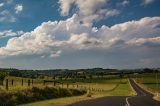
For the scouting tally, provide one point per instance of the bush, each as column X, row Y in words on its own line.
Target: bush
column 36, row 94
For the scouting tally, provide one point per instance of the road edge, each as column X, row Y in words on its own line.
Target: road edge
column 133, row 90
column 155, row 97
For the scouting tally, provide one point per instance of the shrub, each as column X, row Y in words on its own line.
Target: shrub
column 36, row 94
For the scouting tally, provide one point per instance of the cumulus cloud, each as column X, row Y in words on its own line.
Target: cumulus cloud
column 65, row 6
column 53, row 38
column 142, row 41
column 88, row 10
column 18, row 8
column 84, row 41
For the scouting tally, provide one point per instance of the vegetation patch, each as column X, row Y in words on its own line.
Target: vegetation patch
column 36, row 94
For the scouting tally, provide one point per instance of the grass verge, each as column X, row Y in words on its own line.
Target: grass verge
column 119, row 89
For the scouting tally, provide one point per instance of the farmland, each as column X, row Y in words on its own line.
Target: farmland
column 150, row 82
column 94, row 86
column 112, row 87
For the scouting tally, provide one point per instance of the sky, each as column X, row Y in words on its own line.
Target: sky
column 71, row 34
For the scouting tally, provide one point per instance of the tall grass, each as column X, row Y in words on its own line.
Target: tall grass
column 36, row 94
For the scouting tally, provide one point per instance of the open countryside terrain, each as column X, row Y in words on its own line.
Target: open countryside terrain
column 74, row 86
column 79, row 52
column 150, row 82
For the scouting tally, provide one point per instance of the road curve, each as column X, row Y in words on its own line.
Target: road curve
column 143, row 98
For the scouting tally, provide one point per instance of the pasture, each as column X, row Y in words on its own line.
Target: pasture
column 150, row 82
column 95, row 86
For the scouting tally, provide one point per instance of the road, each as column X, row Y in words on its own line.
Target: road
column 143, row 98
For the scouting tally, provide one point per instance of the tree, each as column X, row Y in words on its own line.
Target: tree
column 2, row 77
column 90, row 76
column 16, row 73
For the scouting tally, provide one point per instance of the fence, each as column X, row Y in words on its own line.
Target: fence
column 21, row 83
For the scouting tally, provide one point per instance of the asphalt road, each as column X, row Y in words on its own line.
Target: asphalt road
column 143, row 98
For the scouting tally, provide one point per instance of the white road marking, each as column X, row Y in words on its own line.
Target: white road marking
column 143, row 93
column 127, row 101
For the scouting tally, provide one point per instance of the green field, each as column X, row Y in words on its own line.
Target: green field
column 111, row 87
column 150, row 82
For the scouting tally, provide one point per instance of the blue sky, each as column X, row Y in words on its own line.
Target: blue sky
column 38, row 34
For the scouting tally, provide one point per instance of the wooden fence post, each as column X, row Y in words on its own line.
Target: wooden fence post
column 44, row 82
column 28, row 82
column 67, row 85
column 54, row 83
column 32, row 81
column 7, row 84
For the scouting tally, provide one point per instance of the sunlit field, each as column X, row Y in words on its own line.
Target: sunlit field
column 99, row 88
column 109, row 85
column 149, row 81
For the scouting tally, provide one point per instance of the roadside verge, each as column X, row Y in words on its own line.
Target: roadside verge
column 156, row 96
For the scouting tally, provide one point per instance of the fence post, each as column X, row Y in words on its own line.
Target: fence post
column 7, row 84
column 44, row 82
column 54, row 83
column 22, row 82
column 62, row 85
column 32, row 81
column 12, row 82
column 67, row 85
column 28, row 82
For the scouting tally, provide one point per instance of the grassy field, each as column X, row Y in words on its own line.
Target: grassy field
column 111, row 87
column 150, row 82
column 96, row 87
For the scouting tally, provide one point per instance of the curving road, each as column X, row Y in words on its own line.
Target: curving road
column 143, row 98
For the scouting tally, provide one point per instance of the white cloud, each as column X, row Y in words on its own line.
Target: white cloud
column 146, row 2
column 52, row 38
column 88, row 10
column 65, row 6
column 123, row 3
column 83, row 41
column 1, row 4
column 55, row 54
column 9, row 1
column 6, row 16
column 18, row 8
column 141, row 41
column 7, row 33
